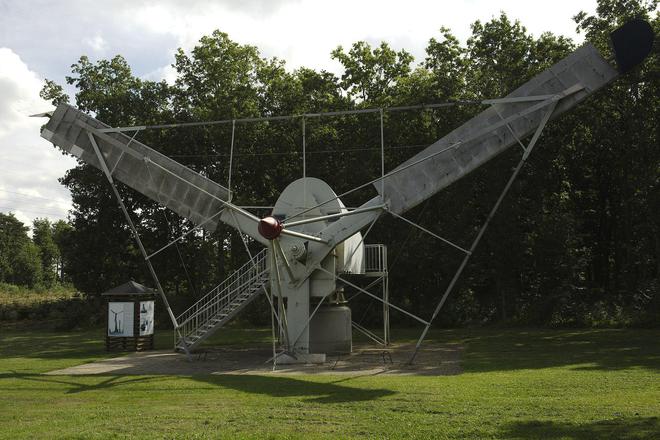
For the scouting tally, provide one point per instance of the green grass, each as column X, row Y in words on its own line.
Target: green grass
column 517, row 384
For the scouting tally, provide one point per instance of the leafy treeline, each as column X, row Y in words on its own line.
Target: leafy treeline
column 32, row 262
column 576, row 241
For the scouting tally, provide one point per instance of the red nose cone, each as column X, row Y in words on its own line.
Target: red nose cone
column 270, row 228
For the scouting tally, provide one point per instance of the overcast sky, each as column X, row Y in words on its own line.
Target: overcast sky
column 41, row 39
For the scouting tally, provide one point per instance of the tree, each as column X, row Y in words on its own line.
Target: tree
column 12, row 236
column 614, row 171
column 62, row 233
column 19, row 258
column 370, row 73
column 27, row 270
column 42, row 236
column 53, row 92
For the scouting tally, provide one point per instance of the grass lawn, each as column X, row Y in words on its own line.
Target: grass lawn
column 519, row 384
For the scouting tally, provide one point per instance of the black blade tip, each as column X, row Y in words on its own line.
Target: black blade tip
column 632, row 43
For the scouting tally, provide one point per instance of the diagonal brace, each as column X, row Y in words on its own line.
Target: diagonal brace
column 466, row 258
column 136, row 236
column 343, row 280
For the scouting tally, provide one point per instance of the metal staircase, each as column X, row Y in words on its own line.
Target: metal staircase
column 222, row 303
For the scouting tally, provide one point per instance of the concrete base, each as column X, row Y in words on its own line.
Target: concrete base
column 330, row 330
column 366, row 359
column 301, row 358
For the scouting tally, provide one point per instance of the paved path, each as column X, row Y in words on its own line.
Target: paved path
column 433, row 360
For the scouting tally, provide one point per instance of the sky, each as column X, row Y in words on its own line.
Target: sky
column 41, row 39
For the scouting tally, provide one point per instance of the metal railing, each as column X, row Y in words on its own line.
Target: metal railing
column 211, row 305
column 375, row 258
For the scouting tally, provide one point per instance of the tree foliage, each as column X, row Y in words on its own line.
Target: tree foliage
column 43, row 238
column 36, row 261
column 20, row 261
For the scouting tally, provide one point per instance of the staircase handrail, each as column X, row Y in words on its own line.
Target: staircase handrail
column 225, row 284
column 231, row 293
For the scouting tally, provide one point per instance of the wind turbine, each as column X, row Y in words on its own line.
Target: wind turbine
column 312, row 239
column 117, row 329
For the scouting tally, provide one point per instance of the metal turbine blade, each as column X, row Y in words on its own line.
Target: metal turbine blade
column 168, row 182
column 491, row 132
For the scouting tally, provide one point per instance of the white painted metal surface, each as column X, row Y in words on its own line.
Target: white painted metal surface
column 151, row 173
column 296, row 198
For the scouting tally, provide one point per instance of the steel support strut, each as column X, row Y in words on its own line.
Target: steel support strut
column 527, row 151
column 343, row 280
column 136, row 236
column 278, row 287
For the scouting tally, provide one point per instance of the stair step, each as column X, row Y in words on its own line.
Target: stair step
column 236, row 298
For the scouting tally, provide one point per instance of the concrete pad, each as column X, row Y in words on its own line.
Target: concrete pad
column 432, row 360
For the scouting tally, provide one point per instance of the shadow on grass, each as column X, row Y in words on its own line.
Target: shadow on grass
column 620, row 428
column 273, row 386
column 278, row 386
column 603, row 349
column 76, row 386
column 88, row 345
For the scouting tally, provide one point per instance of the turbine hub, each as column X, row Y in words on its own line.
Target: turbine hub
column 270, row 228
